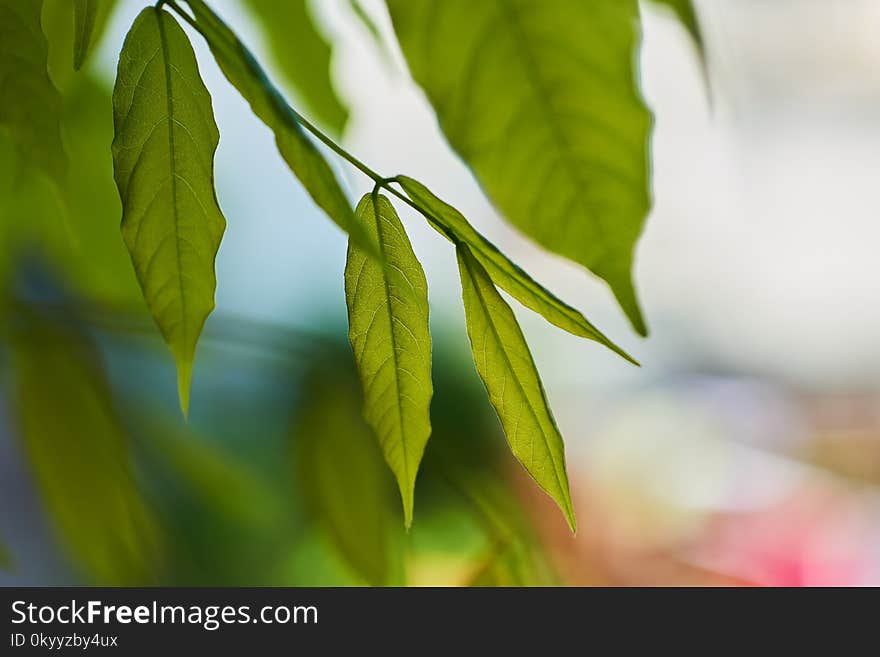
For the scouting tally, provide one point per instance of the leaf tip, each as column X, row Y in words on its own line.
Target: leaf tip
column 184, row 383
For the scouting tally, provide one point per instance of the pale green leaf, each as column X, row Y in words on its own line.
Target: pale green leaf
column 303, row 56
column 504, row 273
column 540, row 98
column 79, row 452
column 30, row 105
column 343, row 479
column 84, row 13
column 305, row 161
column 505, row 365
column 388, row 330
column 163, row 161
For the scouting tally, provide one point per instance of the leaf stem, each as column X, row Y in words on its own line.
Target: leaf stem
column 380, row 181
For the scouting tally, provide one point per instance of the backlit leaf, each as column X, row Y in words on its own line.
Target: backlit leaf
column 504, row 273
column 540, row 98
column 505, row 365
column 305, row 161
column 343, row 478
column 79, row 452
column 30, row 105
column 163, row 159
column 388, row 330
column 303, row 56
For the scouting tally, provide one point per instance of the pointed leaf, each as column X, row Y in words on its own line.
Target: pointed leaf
column 388, row 330
column 541, row 100
column 163, row 162
column 304, row 159
column 687, row 15
column 303, row 56
column 504, row 273
column 505, row 365
column 30, row 105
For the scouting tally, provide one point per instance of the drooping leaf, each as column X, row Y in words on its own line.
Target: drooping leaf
column 342, row 476
column 505, row 365
column 84, row 12
column 388, row 330
column 687, row 15
column 304, row 159
column 79, row 452
column 163, row 160
column 540, row 98
column 30, row 105
column 303, row 56
column 504, row 273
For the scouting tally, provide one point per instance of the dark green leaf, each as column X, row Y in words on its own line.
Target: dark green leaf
column 303, row 56
column 163, row 157
column 344, row 479
column 504, row 273
column 30, row 105
column 305, row 161
column 505, row 365
column 388, row 330
column 541, row 99
column 78, row 451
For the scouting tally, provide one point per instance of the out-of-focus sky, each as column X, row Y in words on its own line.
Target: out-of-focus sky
column 758, row 267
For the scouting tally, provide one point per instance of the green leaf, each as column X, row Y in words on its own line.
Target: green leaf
column 687, row 15
column 79, row 452
column 303, row 56
column 84, row 13
column 163, row 160
column 505, row 365
column 30, row 105
column 388, row 330
column 541, row 100
column 504, row 273
column 343, row 478
column 305, row 161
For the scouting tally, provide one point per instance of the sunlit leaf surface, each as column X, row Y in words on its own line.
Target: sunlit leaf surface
column 388, row 330
column 540, row 98
column 505, row 364
column 163, row 157
column 504, row 273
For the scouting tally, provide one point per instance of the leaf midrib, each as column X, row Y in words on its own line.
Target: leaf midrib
column 393, row 330
column 166, row 67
